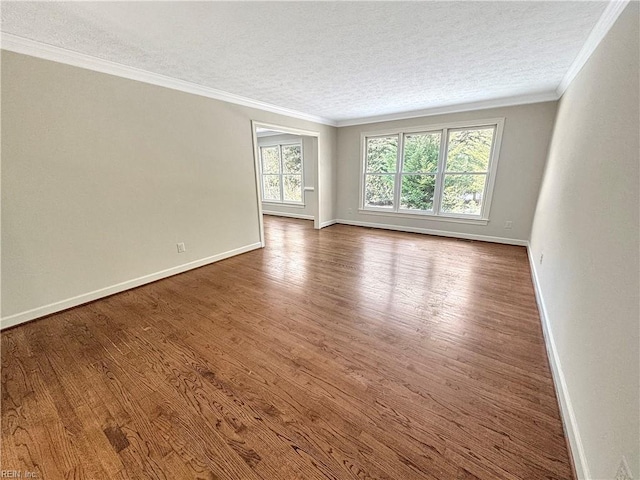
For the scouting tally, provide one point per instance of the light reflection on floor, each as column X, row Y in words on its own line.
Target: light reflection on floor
column 388, row 280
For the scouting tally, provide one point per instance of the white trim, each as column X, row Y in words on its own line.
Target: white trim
column 497, row 124
column 562, row 390
column 269, row 134
column 607, row 19
column 270, row 203
column 456, row 108
column 255, row 124
column 37, row 49
column 32, row 314
column 494, row 158
column 439, row 233
column 363, row 168
column 301, row 216
column 33, row 48
column 441, row 167
column 264, row 142
column 328, row 223
column 424, row 216
column 297, row 142
column 434, row 127
column 258, row 178
column 286, row 130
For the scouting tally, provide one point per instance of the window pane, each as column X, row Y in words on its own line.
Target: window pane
column 382, row 154
column 469, row 150
column 292, row 188
column 421, row 152
column 417, row 192
column 463, row 194
column 291, row 159
column 270, row 159
column 271, row 187
column 378, row 190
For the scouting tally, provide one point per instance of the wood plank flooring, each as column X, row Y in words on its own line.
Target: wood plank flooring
column 345, row 353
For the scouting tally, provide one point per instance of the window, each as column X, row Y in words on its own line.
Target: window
column 445, row 171
column 281, row 173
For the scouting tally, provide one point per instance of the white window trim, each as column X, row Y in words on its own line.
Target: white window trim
column 481, row 219
column 279, row 204
column 425, row 216
column 280, row 144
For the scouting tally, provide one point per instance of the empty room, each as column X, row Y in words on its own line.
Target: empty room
column 320, row 240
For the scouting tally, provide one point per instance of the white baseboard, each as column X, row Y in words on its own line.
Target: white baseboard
column 301, row 216
column 32, row 314
column 562, row 391
column 440, row 233
column 328, row 223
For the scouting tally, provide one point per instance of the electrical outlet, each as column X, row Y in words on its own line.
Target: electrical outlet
column 541, row 257
column 181, row 247
column 350, row 211
column 624, row 472
column 508, row 224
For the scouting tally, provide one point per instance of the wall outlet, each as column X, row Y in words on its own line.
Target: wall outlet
column 541, row 258
column 350, row 211
column 624, row 472
column 181, row 247
column 508, row 224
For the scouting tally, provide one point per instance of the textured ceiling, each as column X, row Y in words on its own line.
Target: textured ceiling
column 339, row 60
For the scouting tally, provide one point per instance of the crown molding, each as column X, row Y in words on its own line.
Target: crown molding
column 601, row 28
column 33, row 48
column 457, row 108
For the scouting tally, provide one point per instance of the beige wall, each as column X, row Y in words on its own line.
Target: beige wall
column 525, row 141
column 586, row 225
column 327, row 179
column 309, row 165
column 102, row 176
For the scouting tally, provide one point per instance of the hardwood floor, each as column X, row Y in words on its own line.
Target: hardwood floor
column 345, row 353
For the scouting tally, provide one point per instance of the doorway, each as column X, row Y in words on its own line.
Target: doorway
column 286, row 166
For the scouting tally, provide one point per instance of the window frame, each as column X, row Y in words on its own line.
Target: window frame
column 380, row 174
column 436, row 213
column 282, row 174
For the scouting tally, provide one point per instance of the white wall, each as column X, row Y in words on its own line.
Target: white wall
column 309, row 165
column 587, row 226
column 525, row 141
column 102, row 176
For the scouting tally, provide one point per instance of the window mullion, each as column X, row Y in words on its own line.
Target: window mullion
column 437, row 195
column 301, row 187
column 399, row 167
column 483, row 205
column 261, row 173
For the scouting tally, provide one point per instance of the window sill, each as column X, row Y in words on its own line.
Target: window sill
column 426, row 216
column 284, row 204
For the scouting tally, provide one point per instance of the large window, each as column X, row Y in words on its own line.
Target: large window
column 282, row 173
column 444, row 171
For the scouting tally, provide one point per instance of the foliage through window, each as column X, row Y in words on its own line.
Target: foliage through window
column 281, row 173
column 443, row 172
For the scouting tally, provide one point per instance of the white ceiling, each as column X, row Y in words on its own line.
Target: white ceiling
column 338, row 60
